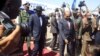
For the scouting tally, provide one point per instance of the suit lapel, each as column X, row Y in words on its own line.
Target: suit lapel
column 42, row 20
column 71, row 24
column 69, row 27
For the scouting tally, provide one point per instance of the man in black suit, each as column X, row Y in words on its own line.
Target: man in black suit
column 66, row 33
column 54, row 29
column 38, row 23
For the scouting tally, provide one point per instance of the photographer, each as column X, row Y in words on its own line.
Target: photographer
column 9, row 44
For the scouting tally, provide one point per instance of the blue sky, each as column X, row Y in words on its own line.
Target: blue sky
column 92, row 4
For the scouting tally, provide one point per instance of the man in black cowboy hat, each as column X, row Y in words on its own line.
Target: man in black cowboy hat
column 38, row 23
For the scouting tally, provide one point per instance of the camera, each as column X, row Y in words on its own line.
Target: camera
column 9, row 26
column 82, row 3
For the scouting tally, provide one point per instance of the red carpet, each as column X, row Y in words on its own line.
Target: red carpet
column 45, row 51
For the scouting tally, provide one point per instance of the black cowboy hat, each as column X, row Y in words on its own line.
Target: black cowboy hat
column 39, row 8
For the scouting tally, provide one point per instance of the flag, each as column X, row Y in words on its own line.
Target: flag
column 73, row 4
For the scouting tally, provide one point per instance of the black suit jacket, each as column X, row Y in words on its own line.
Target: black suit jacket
column 54, row 25
column 64, row 32
column 36, row 29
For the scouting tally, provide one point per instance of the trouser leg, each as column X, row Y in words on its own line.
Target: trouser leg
column 28, row 45
column 41, row 45
column 61, row 50
column 84, row 46
column 54, row 40
column 35, row 49
column 71, row 48
column 78, row 47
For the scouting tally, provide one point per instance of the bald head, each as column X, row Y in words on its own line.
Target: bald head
column 67, row 14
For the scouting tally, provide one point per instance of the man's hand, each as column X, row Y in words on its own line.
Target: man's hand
column 31, row 44
column 32, row 39
column 66, row 41
column 79, row 37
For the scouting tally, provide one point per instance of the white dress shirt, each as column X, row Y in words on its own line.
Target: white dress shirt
column 41, row 22
column 69, row 24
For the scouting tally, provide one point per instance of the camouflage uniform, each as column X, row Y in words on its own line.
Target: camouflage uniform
column 77, row 25
column 86, row 33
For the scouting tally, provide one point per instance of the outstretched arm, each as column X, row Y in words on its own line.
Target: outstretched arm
column 7, row 40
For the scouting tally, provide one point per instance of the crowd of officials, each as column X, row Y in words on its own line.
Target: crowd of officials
column 76, row 31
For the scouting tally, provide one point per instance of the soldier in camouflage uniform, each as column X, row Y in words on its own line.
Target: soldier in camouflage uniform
column 86, row 34
column 24, row 18
column 77, row 23
column 24, row 15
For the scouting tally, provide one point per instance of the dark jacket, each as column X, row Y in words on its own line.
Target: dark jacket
column 54, row 25
column 64, row 32
column 36, row 28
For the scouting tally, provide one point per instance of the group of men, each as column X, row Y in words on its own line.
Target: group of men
column 79, row 30
column 37, row 23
